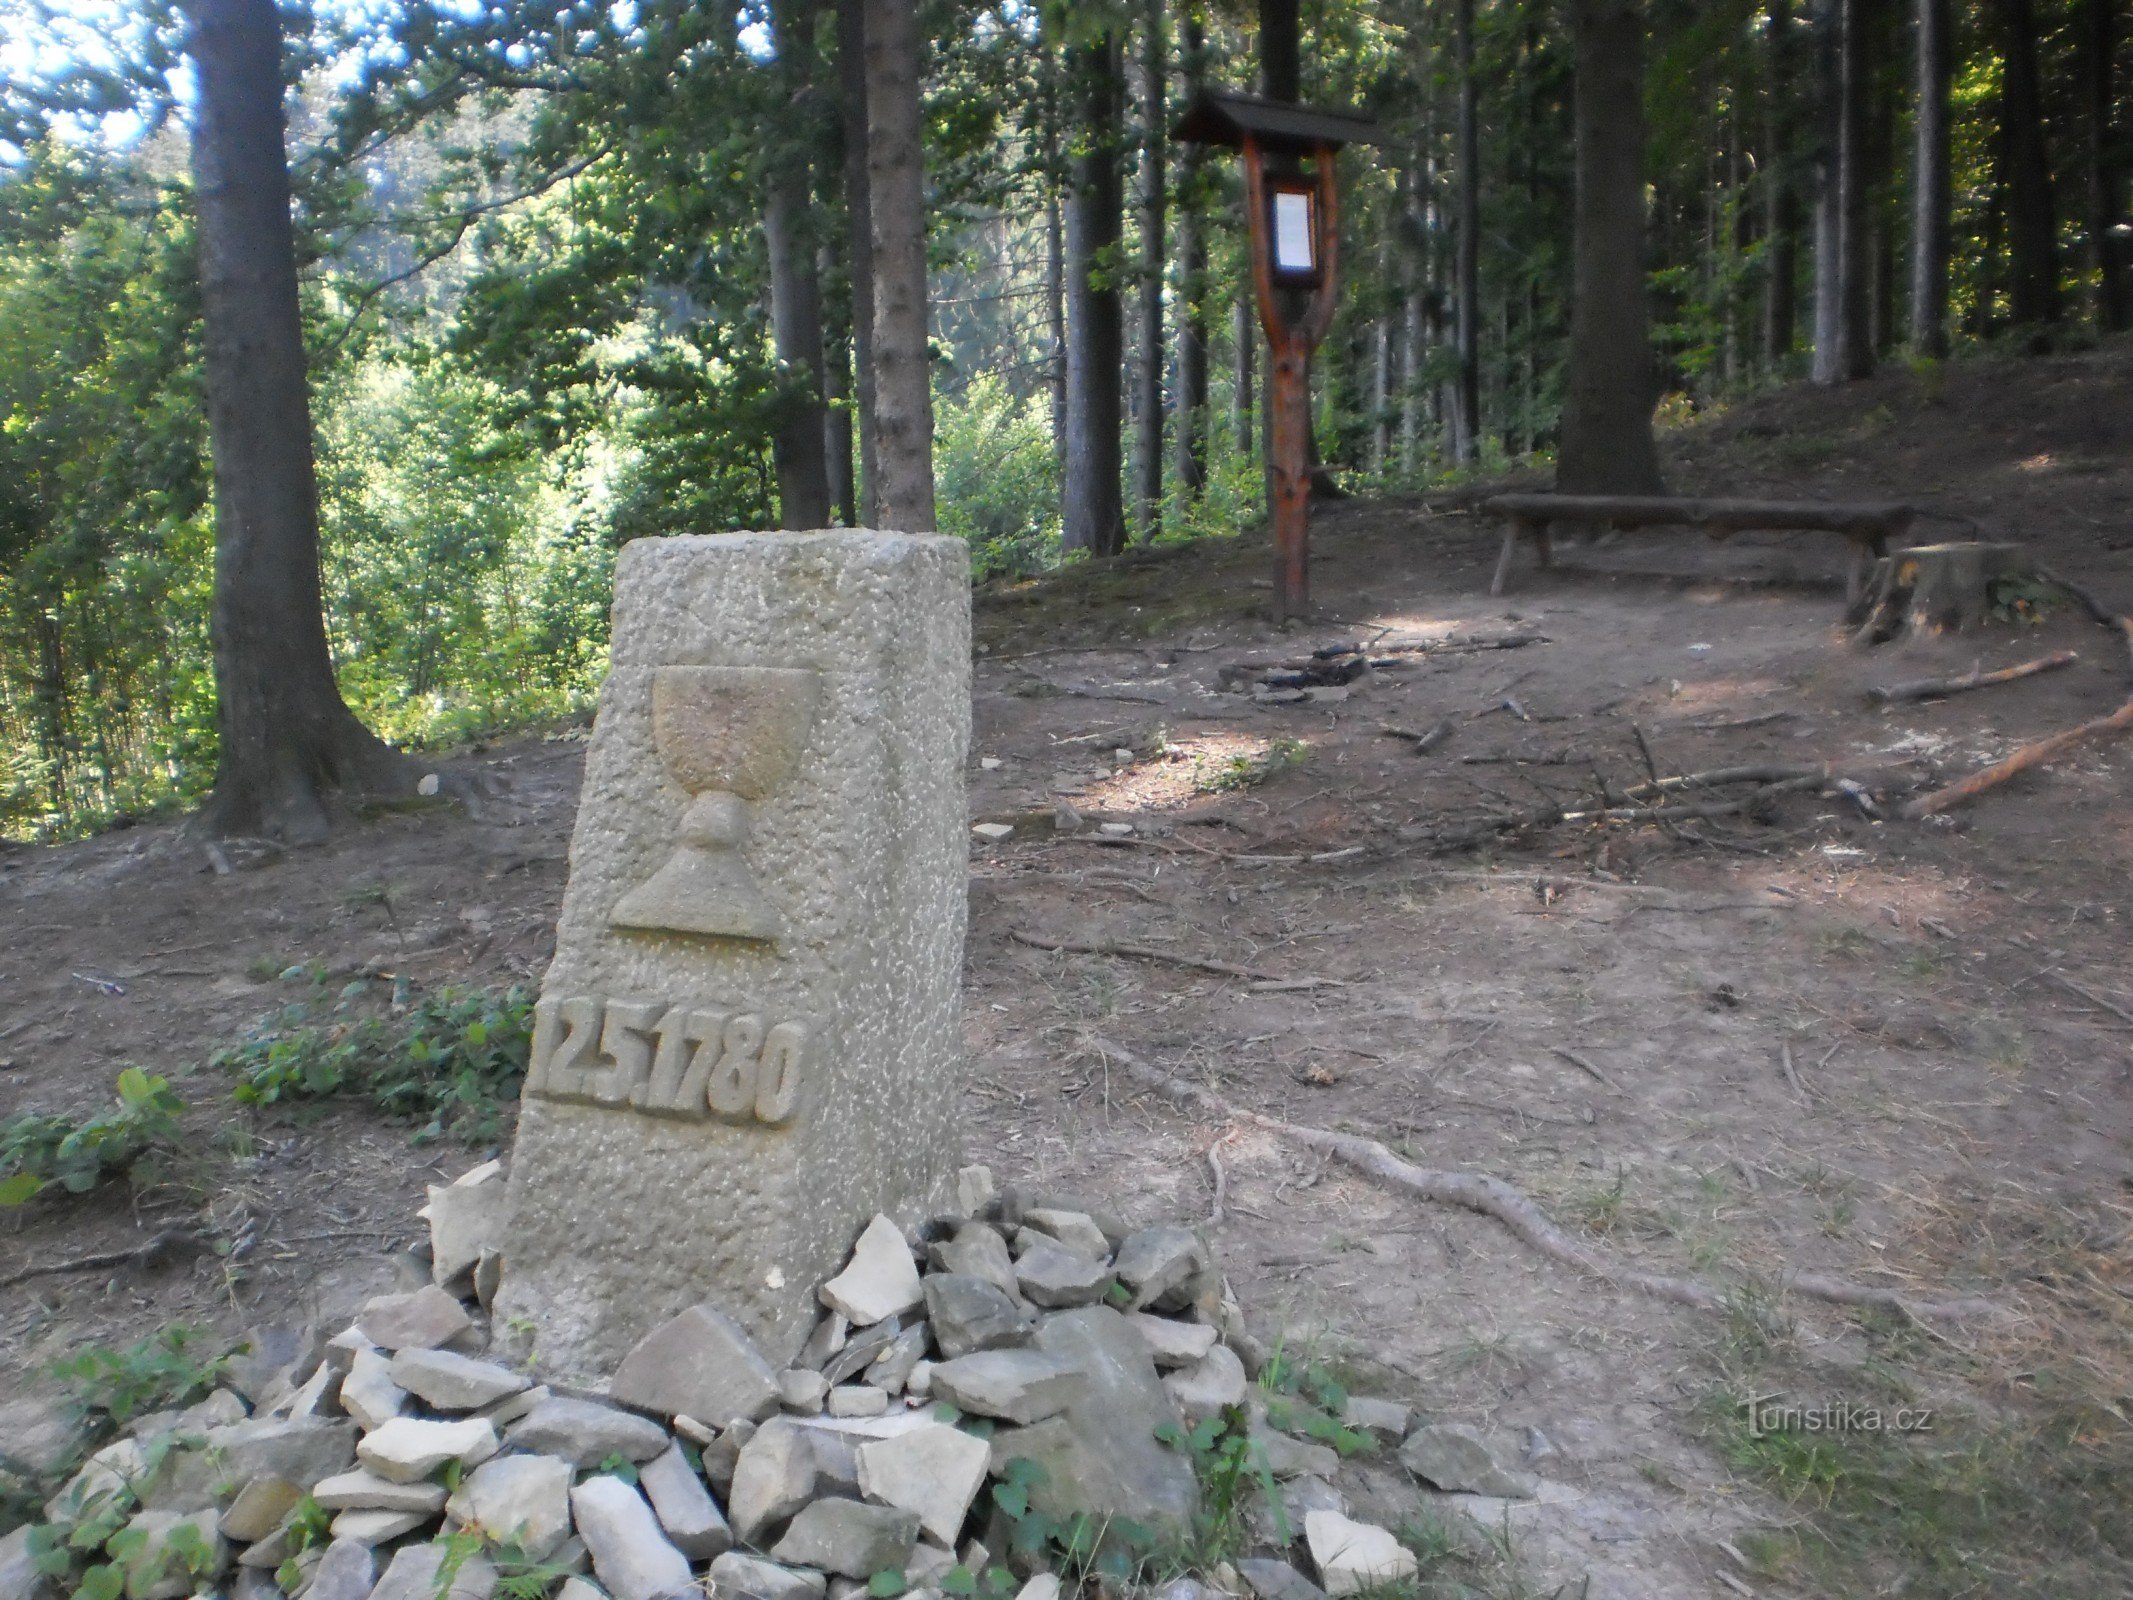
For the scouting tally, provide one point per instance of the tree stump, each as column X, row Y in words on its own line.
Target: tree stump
column 1932, row 589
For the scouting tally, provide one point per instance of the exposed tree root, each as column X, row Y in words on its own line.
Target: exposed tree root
column 1141, row 952
column 170, row 1241
column 1492, row 1197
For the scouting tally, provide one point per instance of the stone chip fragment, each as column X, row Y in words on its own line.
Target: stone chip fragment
column 879, row 1281
column 699, row 1364
column 631, row 1557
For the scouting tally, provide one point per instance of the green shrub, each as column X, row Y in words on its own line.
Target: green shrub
column 163, row 1370
column 38, row 1151
column 449, row 1060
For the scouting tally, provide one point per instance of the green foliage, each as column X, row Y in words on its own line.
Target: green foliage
column 451, row 1060
column 1227, row 1464
column 38, row 1151
column 309, row 1526
column 2024, row 599
column 170, row 1368
column 996, row 478
column 1079, row 1544
column 1249, row 771
column 1304, row 1398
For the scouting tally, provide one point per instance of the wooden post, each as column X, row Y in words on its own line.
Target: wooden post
column 1290, row 343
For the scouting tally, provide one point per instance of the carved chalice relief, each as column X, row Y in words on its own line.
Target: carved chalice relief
column 729, row 736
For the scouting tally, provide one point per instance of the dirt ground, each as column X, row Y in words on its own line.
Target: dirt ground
column 1955, row 1117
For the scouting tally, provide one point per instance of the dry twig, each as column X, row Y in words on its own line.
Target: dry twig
column 1141, row 952
column 1492, row 1197
column 1936, row 688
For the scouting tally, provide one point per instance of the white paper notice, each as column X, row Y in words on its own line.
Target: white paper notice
column 1292, row 231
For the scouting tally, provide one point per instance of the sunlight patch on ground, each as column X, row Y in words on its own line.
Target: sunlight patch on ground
column 1181, row 772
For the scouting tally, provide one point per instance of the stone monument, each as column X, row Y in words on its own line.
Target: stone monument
column 750, row 1039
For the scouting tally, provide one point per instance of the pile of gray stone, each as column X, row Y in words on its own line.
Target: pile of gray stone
column 1022, row 1328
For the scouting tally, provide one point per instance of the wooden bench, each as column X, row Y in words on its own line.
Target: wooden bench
column 1869, row 525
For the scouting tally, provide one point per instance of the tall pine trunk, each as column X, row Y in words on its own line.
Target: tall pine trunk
column 1189, row 403
column 287, row 737
column 2104, row 162
column 859, row 240
column 1608, row 390
column 1244, row 349
column 1781, row 187
column 2026, row 165
column 896, row 186
column 1148, row 412
column 837, row 434
column 1092, row 510
column 1931, row 185
column 1466, row 237
column 1843, row 343
column 799, row 441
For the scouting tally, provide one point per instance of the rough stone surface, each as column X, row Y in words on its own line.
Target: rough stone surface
column 38, row 1436
column 258, row 1509
column 1354, row 1556
column 422, row 1320
column 880, row 1280
column 1171, row 1342
column 1287, row 1457
column 863, row 1350
column 684, row 1506
column 417, row 1568
column 452, row 1382
column 849, row 1538
column 1204, row 1388
column 576, row 1588
column 409, row 1449
column 1387, row 1417
column 585, row 1433
column 524, row 1499
column 368, row 1393
column 376, row 1527
column 1160, row 1266
column 934, row 1471
column 1454, row 1457
column 19, row 1577
column 978, row 1251
column 773, row 1478
column 1019, row 1385
column 858, row 1400
column 1101, row 1455
column 1074, row 1229
column 741, row 1577
column 802, row 1390
column 969, row 1314
column 1277, row 1580
column 631, row 1557
column 366, row 1491
column 835, row 1442
column 1041, row 1586
column 1052, row 1275
column 466, row 1217
column 302, row 1451
column 889, row 1369
column 701, row 1364
column 347, row 1571
column 621, row 1219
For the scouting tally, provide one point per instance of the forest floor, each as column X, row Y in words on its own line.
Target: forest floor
column 1954, row 999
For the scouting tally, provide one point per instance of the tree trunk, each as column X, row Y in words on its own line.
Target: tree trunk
column 798, row 444
column 1931, row 185
column 1843, row 343
column 1380, row 386
column 1055, row 361
column 1466, row 234
column 896, row 187
column 1607, row 444
column 837, row 408
column 1148, row 415
column 1280, row 50
column 2110, row 253
column 287, row 738
column 1093, row 515
column 1189, row 404
column 1244, row 349
column 2026, row 162
column 1781, row 192
column 859, row 228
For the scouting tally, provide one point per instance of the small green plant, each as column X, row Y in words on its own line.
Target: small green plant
column 449, row 1060
column 1078, row 1544
column 2025, row 599
column 1227, row 1464
column 1248, row 772
column 308, row 1527
column 38, row 1151
column 170, row 1368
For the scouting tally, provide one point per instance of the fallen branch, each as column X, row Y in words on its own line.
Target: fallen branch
column 1141, row 952
column 2099, row 613
column 1717, row 777
column 1450, row 645
column 2030, row 755
column 1585, row 1067
column 2090, row 995
column 169, row 1241
column 1492, row 1197
column 1937, row 688
column 1428, row 739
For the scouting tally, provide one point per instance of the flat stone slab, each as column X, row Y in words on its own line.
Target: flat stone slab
column 735, row 1576
column 1454, row 1457
column 1352, row 1557
column 452, row 1382
column 684, row 1506
column 849, row 1538
column 419, row 1321
column 699, row 1363
column 631, row 1557
column 409, row 1449
column 935, row 1472
column 585, row 1433
column 1017, row 1385
column 750, row 1039
column 521, row 1500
